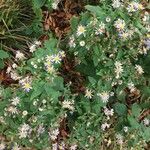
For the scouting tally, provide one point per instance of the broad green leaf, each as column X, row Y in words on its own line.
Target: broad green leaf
column 98, row 11
column 133, row 122
column 136, row 110
column 3, row 54
column 74, row 23
column 120, row 109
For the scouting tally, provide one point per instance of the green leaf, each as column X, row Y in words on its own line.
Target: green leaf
column 133, row 122
column 38, row 3
column 37, row 91
column 58, row 83
column 74, row 23
column 136, row 110
column 98, row 11
column 3, row 54
column 1, row 64
column 120, row 109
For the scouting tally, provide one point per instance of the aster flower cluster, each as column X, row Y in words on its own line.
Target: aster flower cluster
column 102, row 98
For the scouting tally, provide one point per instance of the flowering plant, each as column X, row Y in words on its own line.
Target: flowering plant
column 109, row 44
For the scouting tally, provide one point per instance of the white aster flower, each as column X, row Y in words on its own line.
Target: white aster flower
column 12, row 109
column 118, row 69
column 108, row 19
column 40, row 130
column 116, row 4
column 8, row 70
column 19, row 55
column 74, row 147
column 88, row 93
column 82, row 43
column 81, row 30
column 15, row 101
column 108, row 112
column 125, row 129
column 2, row 146
column 104, row 96
column 105, row 126
column 55, row 146
column 139, row 69
column 146, row 122
column 56, row 58
column 24, row 130
column 119, row 138
column 119, row 24
column 14, row 66
column 26, row 84
column 16, row 147
column 38, row 43
column 131, row 87
column 24, row 113
column 134, row 6
column 32, row 48
column 53, row 134
column 68, row 104
column 72, row 42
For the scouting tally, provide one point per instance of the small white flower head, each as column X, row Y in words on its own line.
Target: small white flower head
column 16, row 147
column 88, row 93
column 104, row 96
column 62, row 146
column 62, row 54
column 118, row 69
column 81, row 30
column 37, row 43
column 56, row 58
column 139, row 69
column 14, row 75
column 74, row 147
column 24, row 130
column 124, row 35
column 134, row 6
column 12, row 110
column 119, row 138
column 105, row 126
column 125, row 129
column 55, row 146
column 72, row 42
column 108, row 112
column 14, row 66
column 131, row 87
column 55, row 4
column 120, row 24
column 8, row 70
column 100, row 29
column 108, row 19
column 2, row 146
column 32, row 48
column 24, row 113
column 15, row 101
column 19, row 55
column 116, row 4
column 82, row 43
column 26, row 84
column 68, row 104
column 53, row 134
column 40, row 130
column 146, row 122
